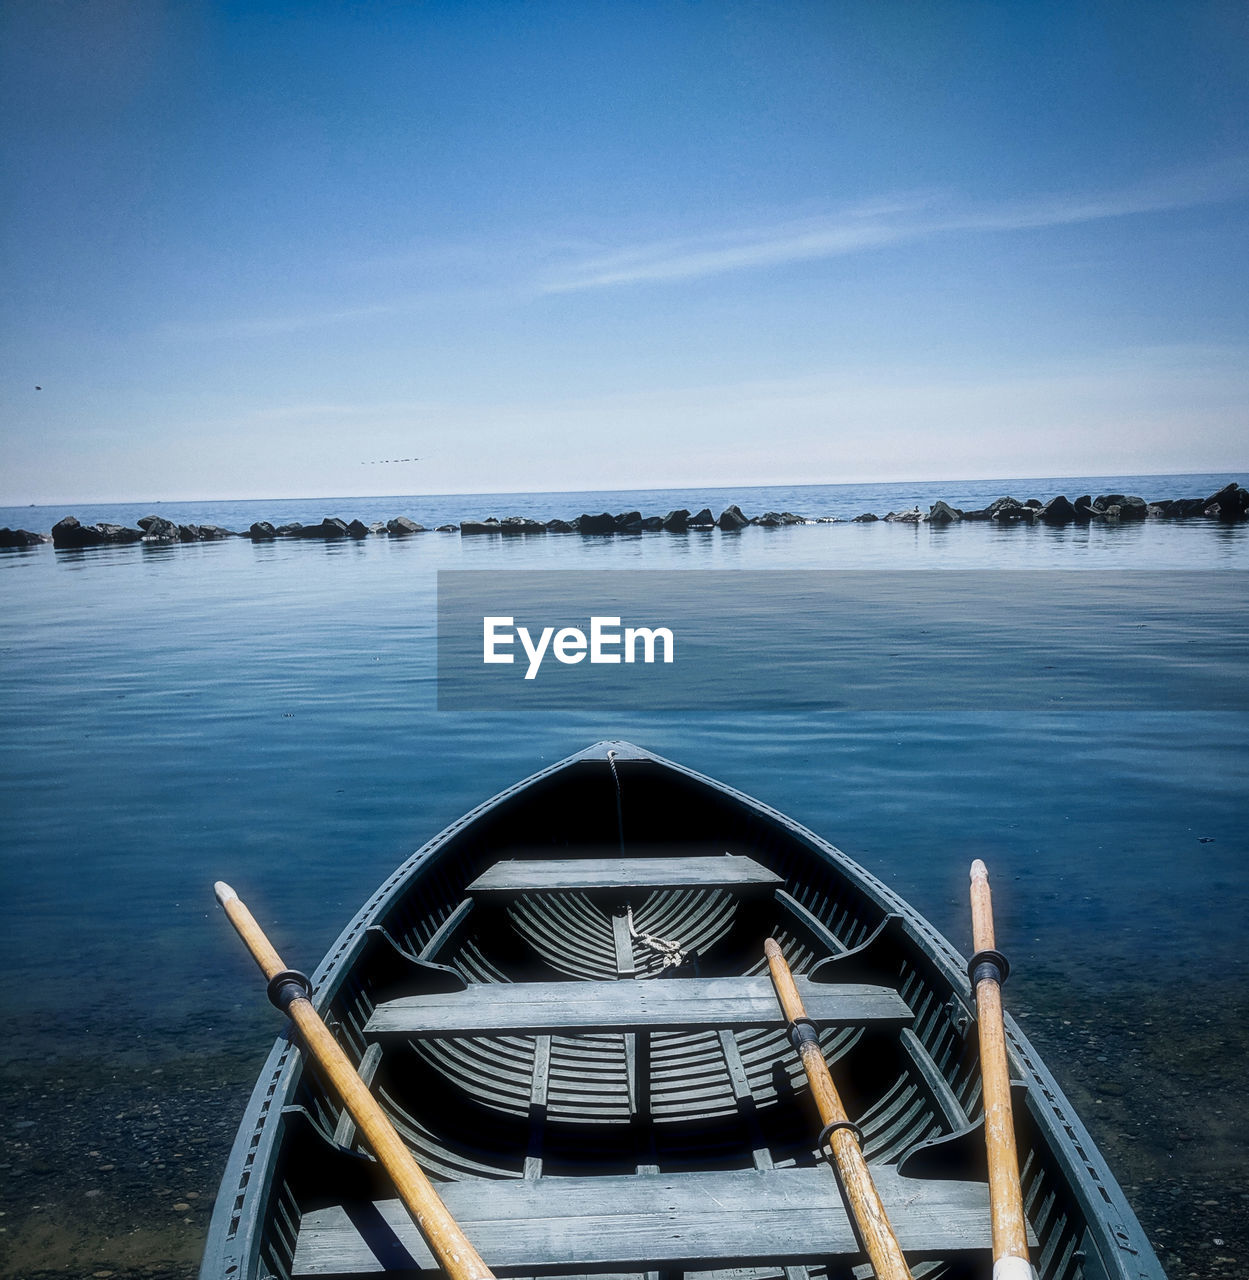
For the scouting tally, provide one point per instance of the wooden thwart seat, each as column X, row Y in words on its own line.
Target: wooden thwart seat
column 606, row 876
column 584, row 1008
column 647, row 1223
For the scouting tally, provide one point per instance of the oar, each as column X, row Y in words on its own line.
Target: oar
column 842, row 1135
column 988, row 969
column 289, row 991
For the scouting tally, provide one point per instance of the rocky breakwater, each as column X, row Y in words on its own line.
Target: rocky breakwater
column 70, row 533
column 1230, row 505
column 632, row 522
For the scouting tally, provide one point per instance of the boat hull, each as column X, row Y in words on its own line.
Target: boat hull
column 598, row 1090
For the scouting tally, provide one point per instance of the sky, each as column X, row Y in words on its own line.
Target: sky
column 309, row 249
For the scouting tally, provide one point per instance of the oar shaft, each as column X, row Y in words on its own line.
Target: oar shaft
column 1010, row 1228
column 449, row 1244
column 875, row 1231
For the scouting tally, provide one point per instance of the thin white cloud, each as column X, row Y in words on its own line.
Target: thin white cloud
column 275, row 326
column 867, row 227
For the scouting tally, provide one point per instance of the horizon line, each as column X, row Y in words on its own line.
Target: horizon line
column 1232, row 472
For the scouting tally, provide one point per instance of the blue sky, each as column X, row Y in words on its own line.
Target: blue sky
column 259, row 250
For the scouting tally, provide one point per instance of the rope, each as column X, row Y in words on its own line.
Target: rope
column 672, row 952
column 611, row 760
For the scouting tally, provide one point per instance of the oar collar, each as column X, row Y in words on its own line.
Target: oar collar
column 288, row 985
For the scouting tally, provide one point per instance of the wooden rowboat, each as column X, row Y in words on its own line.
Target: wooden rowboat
column 562, row 1004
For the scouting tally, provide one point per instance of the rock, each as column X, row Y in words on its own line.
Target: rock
column 676, row 521
column 1009, row 511
column 262, row 531
column 773, row 519
column 329, row 528
column 1183, row 508
column 560, row 526
column 731, row 518
column 942, row 513
column 1229, row 505
column 402, row 527
column 1130, row 507
column 448, row 528
column 69, row 533
column 377, row 528
column 702, row 519
column 828, row 520
column 289, row 530
column 357, row 529
column 1084, row 500
column 603, row 523
column 866, row 518
column 652, row 524
column 188, row 533
column 213, row 533
column 119, row 533
column 521, row 524
column 914, row 516
column 1034, row 503
column 1016, row 515
column 982, row 514
column 629, row 522
column 158, row 529
column 489, row 525
column 1057, row 511
column 19, row 538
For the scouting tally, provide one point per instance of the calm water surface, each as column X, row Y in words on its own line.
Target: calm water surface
column 266, row 714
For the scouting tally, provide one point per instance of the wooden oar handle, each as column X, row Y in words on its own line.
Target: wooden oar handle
column 981, row 908
column 875, row 1231
column 989, row 969
column 289, row 991
column 252, row 934
column 783, row 981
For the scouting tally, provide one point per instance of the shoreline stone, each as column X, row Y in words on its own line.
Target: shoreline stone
column 21, row 538
column 942, row 513
column 775, row 519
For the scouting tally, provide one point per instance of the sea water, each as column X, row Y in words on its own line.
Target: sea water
column 266, row 713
